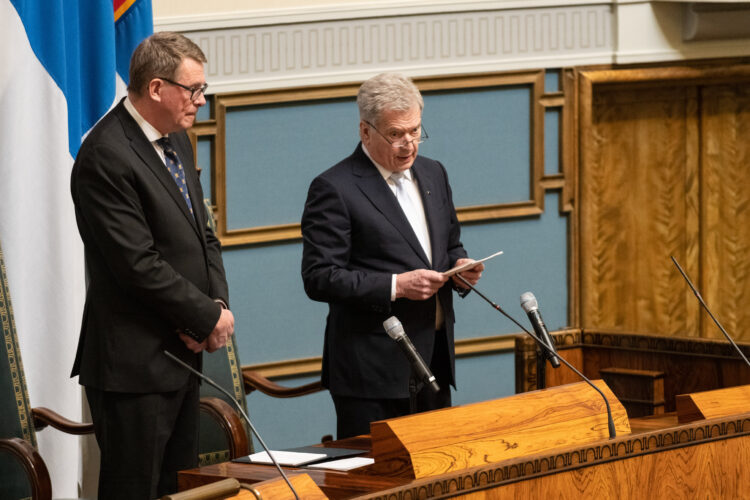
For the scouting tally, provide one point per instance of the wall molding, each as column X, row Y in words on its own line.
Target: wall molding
column 478, row 346
column 271, row 52
column 215, row 129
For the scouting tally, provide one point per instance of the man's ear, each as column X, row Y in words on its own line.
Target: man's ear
column 155, row 87
column 364, row 132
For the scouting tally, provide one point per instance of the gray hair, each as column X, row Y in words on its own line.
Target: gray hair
column 387, row 91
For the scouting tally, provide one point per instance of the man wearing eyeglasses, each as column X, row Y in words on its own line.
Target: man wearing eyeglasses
column 378, row 229
column 155, row 275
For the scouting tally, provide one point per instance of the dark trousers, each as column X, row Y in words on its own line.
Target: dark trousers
column 144, row 440
column 353, row 415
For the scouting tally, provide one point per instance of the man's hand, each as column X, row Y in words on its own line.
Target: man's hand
column 471, row 275
column 193, row 344
column 419, row 284
column 220, row 335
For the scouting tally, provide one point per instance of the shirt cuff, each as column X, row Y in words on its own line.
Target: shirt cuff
column 221, row 303
column 393, row 288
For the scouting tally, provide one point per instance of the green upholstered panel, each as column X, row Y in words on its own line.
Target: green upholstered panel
column 15, row 411
column 223, row 367
column 14, row 484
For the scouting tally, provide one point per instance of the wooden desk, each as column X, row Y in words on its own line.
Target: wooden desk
column 659, row 459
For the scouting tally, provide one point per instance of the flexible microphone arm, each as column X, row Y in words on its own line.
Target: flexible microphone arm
column 610, row 421
column 700, row 299
column 239, row 407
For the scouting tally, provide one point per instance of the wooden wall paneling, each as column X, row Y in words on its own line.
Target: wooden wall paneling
column 569, row 159
column 725, row 263
column 690, row 472
column 636, row 177
column 705, row 227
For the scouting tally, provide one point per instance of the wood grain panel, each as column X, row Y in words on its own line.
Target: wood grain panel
column 693, row 472
column 638, row 206
column 725, row 263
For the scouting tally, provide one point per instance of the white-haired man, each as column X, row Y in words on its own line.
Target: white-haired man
column 379, row 228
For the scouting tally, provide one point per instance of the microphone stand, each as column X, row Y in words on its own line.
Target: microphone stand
column 414, row 387
column 610, row 421
column 239, row 407
column 700, row 299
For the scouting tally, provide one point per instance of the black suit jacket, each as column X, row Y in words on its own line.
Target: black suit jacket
column 152, row 267
column 356, row 236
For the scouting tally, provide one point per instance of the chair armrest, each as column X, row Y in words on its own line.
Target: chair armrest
column 230, row 422
column 254, row 380
column 44, row 417
column 36, row 470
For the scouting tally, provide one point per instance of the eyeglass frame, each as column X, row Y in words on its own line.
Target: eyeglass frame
column 195, row 92
column 422, row 136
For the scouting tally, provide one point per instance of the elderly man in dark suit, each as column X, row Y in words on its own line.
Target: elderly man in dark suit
column 156, row 278
column 379, row 228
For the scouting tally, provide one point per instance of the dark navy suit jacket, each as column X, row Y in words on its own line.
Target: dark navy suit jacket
column 355, row 236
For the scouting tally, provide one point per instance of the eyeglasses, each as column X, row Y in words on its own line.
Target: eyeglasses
column 398, row 138
column 195, row 92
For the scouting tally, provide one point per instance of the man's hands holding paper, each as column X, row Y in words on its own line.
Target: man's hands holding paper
column 420, row 284
column 472, row 274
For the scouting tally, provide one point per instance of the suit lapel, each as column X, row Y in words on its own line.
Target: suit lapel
column 376, row 189
column 145, row 151
column 429, row 199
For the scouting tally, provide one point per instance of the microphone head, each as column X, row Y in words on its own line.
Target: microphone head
column 528, row 302
column 394, row 328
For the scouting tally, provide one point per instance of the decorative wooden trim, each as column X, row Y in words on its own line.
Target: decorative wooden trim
column 33, row 465
column 628, row 446
column 689, row 74
column 216, row 127
column 312, row 366
column 288, row 368
column 569, row 167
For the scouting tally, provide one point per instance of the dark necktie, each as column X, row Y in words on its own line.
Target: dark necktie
column 175, row 169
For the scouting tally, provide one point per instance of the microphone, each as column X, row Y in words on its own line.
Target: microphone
column 700, row 299
column 610, row 421
column 242, row 412
column 395, row 330
column 531, row 306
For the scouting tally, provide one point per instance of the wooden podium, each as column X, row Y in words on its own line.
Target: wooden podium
column 454, row 439
column 530, row 444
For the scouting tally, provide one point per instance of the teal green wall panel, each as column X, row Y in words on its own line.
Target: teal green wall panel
column 534, row 259
column 203, row 161
column 483, row 137
column 274, row 319
column 275, row 151
column 552, row 141
column 290, row 422
column 552, row 81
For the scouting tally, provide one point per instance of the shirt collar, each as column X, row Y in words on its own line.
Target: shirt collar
column 383, row 171
column 149, row 130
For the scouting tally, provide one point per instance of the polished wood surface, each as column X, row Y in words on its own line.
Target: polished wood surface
column 713, row 404
column 689, row 364
column 664, row 161
column 452, row 439
column 220, row 489
column 278, row 489
column 660, row 459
